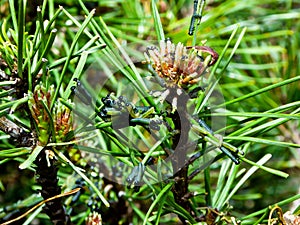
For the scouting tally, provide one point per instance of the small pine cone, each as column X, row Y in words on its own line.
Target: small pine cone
column 39, row 105
column 63, row 121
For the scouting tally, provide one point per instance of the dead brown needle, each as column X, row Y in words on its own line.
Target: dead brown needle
column 41, row 203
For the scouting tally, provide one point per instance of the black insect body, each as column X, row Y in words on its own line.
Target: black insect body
column 125, row 113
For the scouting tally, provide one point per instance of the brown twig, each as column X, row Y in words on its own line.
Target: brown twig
column 47, row 178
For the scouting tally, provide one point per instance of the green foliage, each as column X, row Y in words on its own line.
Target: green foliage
column 253, row 89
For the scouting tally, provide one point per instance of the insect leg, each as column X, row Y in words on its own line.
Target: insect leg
column 81, row 92
column 208, row 50
column 196, row 15
column 207, row 133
